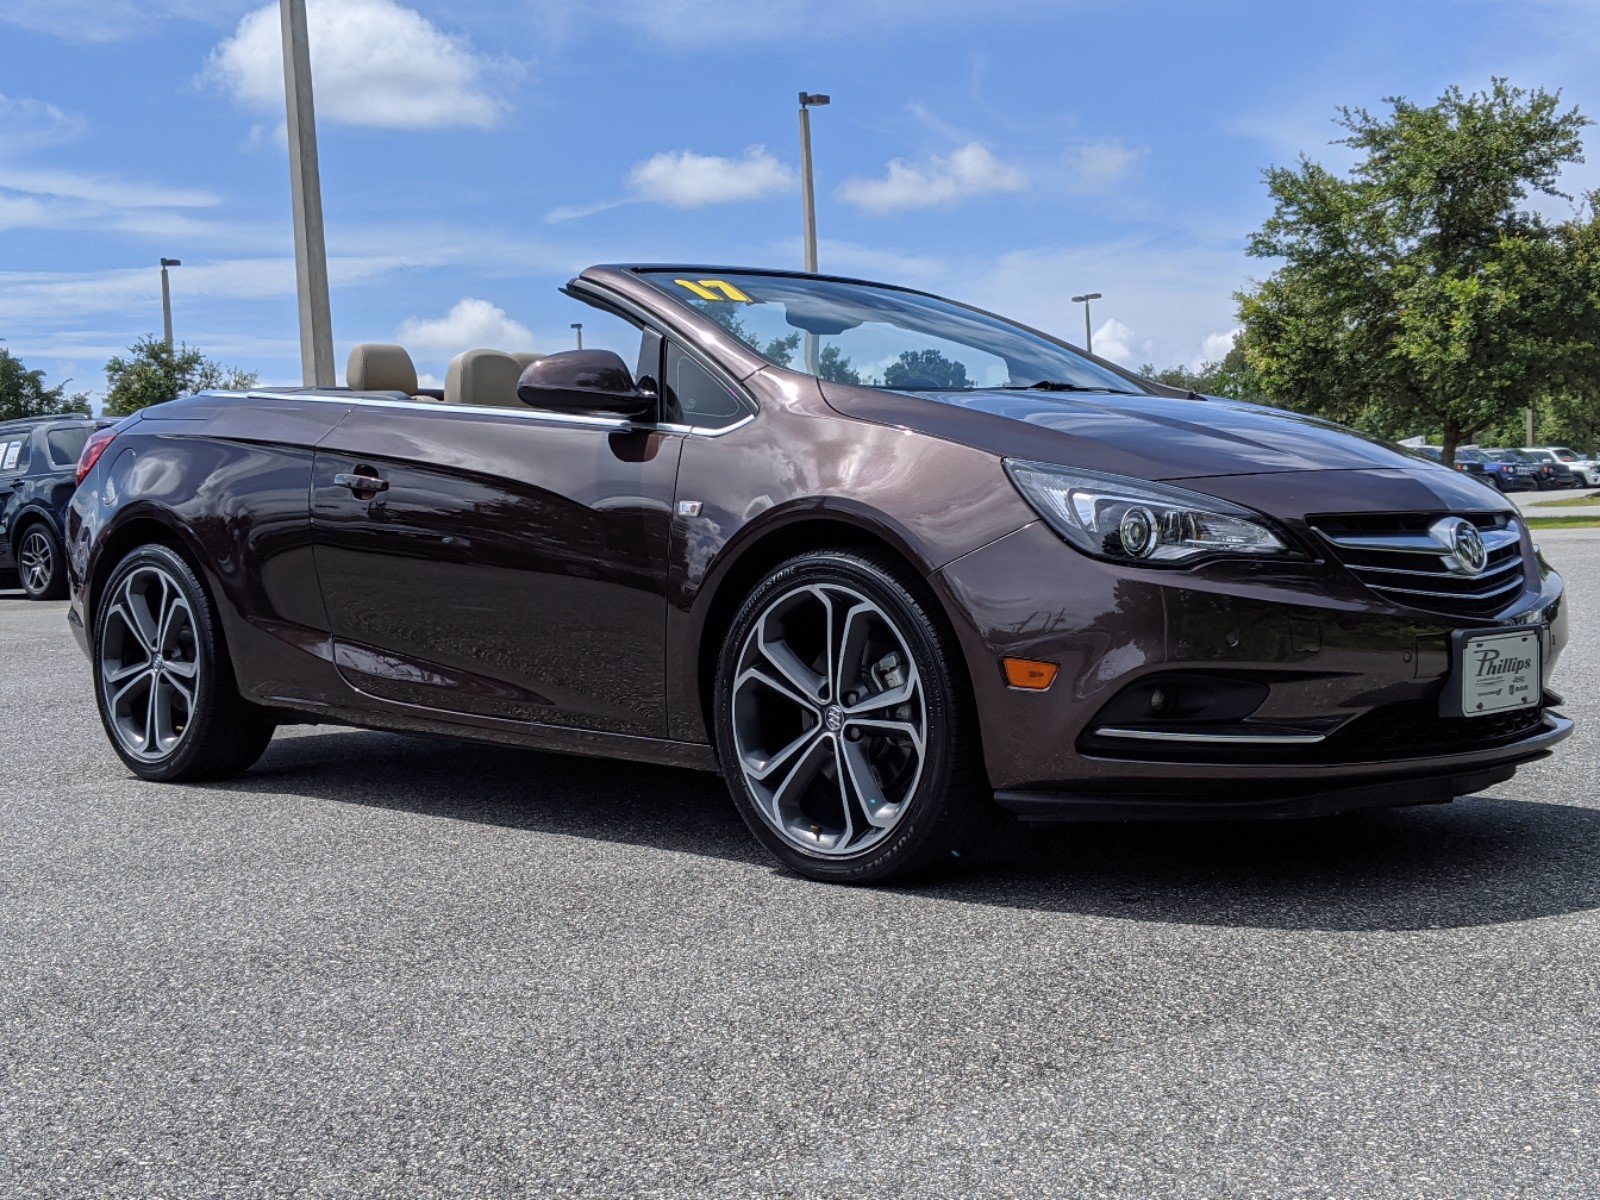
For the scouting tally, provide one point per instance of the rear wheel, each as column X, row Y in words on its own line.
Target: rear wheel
column 40, row 563
column 845, row 724
column 163, row 680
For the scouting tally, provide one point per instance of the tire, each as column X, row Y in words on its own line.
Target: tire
column 163, row 681
column 41, row 563
column 786, row 737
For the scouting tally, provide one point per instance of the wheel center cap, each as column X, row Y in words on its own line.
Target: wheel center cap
column 158, row 662
column 833, row 718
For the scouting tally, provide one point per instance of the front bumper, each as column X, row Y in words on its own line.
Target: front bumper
column 1331, row 651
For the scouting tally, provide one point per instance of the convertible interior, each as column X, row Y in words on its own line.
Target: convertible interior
column 486, row 378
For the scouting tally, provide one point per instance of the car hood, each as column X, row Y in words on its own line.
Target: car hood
column 1148, row 437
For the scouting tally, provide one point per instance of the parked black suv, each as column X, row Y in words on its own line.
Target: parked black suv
column 38, row 462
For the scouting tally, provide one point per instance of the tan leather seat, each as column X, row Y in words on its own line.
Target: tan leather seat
column 380, row 367
column 524, row 357
column 486, row 378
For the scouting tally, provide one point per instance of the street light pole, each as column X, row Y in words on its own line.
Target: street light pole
column 1088, row 333
column 578, row 326
column 305, row 186
column 808, row 101
column 166, row 299
column 808, row 199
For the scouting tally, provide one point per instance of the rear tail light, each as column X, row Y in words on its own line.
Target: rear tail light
column 93, row 449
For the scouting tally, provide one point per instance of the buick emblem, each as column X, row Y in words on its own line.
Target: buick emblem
column 833, row 718
column 1466, row 544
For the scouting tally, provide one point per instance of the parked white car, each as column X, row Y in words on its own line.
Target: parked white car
column 1586, row 469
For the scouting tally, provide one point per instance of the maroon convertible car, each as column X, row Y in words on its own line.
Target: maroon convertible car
column 892, row 564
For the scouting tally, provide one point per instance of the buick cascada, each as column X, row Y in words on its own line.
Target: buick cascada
column 892, row 565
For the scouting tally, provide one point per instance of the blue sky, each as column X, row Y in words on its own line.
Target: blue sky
column 476, row 154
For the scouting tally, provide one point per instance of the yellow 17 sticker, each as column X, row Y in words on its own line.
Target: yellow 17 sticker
column 708, row 289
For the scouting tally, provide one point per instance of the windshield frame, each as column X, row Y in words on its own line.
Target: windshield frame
column 656, row 277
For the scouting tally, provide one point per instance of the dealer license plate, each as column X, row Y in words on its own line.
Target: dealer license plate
column 1494, row 672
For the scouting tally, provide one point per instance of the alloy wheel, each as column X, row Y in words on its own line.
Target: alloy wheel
column 149, row 664
column 829, row 719
column 36, row 560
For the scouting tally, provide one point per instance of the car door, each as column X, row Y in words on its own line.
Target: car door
column 500, row 563
column 13, row 463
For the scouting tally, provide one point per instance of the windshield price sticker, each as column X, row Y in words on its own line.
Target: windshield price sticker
column 714, row 289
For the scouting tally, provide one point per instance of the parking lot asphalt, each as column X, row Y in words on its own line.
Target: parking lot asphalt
column 385, row 966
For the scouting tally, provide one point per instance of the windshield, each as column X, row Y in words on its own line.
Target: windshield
column 1470, row 456
column 881, row 337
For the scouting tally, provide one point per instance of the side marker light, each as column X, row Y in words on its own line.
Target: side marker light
column 1029, row 675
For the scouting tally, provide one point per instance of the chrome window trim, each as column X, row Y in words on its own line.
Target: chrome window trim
column 617, row 424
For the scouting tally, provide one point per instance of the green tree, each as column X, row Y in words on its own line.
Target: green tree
column 835, row 367
column 727, row 314
column 925, row 369
column 1419, row 292
column 781, row 350
column 23, row 393
column 1232, row 377
column 154, row 372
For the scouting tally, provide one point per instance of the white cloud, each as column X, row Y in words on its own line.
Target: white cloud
column 1215, row 347
column 472, row 323
column 1121, row 345
column 1096, row 165
column 375, row 62
column 970, row 170
column 109, row 190
column 34, row 197
column 26, row 124
column 685, row 179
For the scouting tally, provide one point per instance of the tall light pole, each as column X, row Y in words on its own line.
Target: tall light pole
column 578, row 328
column 166, row 299
column 305, row 186
column 808, row 200
column 808, row 101
column 1088, row 334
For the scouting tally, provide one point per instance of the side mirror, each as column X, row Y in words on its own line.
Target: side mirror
column 584, row 381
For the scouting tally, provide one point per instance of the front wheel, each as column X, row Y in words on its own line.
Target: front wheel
column 163, row 680
column 845, row 723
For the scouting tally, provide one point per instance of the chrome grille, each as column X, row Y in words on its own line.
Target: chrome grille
column 1405, row 558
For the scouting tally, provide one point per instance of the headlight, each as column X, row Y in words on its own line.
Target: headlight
column 1131, row 521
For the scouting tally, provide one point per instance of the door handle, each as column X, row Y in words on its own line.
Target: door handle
column 361, row 483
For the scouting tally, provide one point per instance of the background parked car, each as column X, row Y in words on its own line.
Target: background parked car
column 1529, row 473
column 38, row 461
column 1472, row 461
column 1586, row 468
column 1562, row 476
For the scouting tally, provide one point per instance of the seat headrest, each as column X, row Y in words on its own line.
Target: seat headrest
column 380, row 367
column 487, row 378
